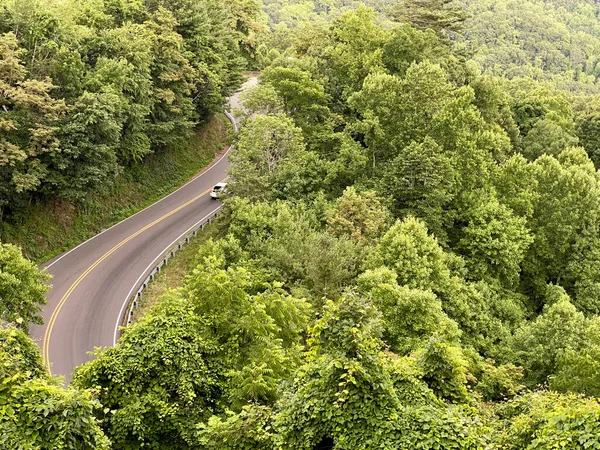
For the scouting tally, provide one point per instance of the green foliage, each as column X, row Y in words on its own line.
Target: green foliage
column 285, row 241
column 256, row 325
column 413, row 254
column 303, row 98
column 248, row 430
column 22, row 288
column 545, row 420
column 410, row 316
column 444, row 370
column 495, row 243
column 156, row 385
column 343, row 387
column 19, row 355
column 360, row 216
column 420, row 182
column 266, row 159
column 538, row 345
column 35, row 412
column 92, row 87
column 354, row 50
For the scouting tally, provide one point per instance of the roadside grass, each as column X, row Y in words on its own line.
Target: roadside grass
column 173, row 275
column 46, row 230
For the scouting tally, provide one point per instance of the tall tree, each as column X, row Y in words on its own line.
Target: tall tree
column 22, row 288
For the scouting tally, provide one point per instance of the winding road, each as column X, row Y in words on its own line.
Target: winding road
column 93, row 282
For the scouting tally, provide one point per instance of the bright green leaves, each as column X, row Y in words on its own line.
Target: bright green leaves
column 22, row 288
column 344, row 392
column 156, row 385
column 19, row 355
column 537, row 345
column 35, row 412
column 546, row 420
column 354, row 50
column 353, row 394
column 257, row 326
column 409, row 316
column 495, row 243
column 173, row 82
column 415, row 257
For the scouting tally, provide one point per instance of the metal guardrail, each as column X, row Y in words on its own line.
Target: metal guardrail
column 134, row 300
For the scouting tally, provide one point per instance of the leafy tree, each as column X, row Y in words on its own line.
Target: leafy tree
column 577, row 368
column 303, row 98
column 28, row 119
column 566, row 207
column 547, row 420
column 36, row 412
column 347, row 164
column 262, row 99
column 344, row 382
column 410, row 45
column 495, row 243
column 538, row 345
column 270, row 160
column 285, row 240
column 413, row 254
column 158, row 399
column 354, row 51
column 256, row 325
column 444, row 370
column 588, row 127
column 421, row 182
column 173, row 81
column 22, row 288
column 249, row 21
column 358, row 215
column 398, row 111
column 410, row 316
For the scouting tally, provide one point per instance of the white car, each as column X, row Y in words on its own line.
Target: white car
column 218, row 190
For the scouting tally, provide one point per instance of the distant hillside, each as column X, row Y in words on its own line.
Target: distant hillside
column 554, row 39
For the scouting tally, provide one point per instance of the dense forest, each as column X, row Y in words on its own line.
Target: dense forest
column 409, row 256
column 92, row 87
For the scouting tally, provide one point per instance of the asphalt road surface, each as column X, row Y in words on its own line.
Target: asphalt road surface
column 92, row 282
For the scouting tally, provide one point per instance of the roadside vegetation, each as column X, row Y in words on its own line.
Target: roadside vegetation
column 47, row 229
column 408, row 258
column 172, row 276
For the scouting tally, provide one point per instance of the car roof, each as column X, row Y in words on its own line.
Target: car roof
column 221, row 184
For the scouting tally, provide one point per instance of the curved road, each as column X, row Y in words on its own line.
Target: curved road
column 92, row 282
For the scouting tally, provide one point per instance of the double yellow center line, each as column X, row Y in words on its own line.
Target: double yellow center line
column 63, row 300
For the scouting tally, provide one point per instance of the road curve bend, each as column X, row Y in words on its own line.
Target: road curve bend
column 92, row 281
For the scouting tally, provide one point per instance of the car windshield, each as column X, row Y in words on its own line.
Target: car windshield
column 216, row 188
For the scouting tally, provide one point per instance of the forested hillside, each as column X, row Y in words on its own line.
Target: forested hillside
column 544, row 39
column 90, row 88
column 409, row 258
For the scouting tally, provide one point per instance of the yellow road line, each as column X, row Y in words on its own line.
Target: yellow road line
column 51, row 322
